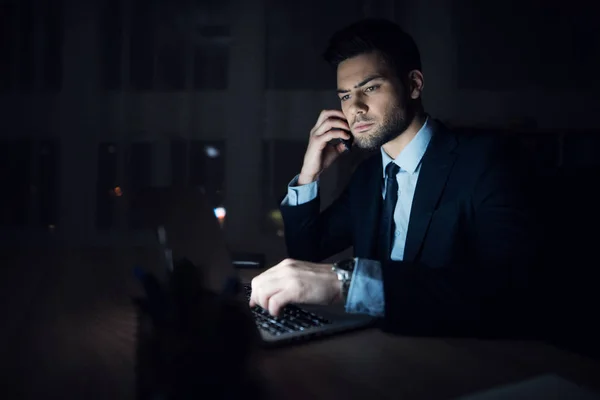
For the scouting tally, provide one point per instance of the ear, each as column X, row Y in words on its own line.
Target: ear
column 416, row 83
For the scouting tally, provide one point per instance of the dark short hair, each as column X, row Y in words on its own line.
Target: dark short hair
column 368, row 35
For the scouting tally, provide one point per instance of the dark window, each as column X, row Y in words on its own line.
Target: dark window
column 15, row 175
column 140, row 175
column 211, row 67
column 172, row 47
column 26, row 47
column 111, row 30
column 140, row 165
column 142, row 45
column 49, row 182
column 207, row 169
column 171, row 66
column 545, row 42
column 8, row 39
column 281, row 161
column 53, row 46
column 179, row 162
column 107, row 189
column 297, row 36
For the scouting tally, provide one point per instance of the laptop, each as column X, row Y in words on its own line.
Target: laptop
column 206, row 247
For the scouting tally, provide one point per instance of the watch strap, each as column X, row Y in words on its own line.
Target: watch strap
column 344, row 270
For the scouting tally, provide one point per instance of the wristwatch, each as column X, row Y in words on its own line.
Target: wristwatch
column 344, row 270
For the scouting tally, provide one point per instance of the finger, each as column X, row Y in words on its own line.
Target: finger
column 329, row 114
column 257, row 283
column 277, row 302
column 324, row 139
column 256, row 298
column 331, row 124
column 265, row 298
column 262, row 289
column 252, row 302
column 269, row 282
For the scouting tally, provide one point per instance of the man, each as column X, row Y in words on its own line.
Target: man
column 439, row 220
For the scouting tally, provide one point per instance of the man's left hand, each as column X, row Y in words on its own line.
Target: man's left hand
column 293, row 281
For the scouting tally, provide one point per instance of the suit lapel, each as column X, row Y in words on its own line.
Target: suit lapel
column 435, row 169
column 369, row 209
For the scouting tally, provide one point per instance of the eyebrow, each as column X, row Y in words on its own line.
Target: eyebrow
column 363, row 82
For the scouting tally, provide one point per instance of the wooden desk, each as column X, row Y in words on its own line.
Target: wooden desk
column 72, row 333
column 372, row 364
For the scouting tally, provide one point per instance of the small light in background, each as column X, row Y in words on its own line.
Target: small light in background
column 220, row 213
column 212, row 151
column 117, row 191
column 51, row 228
column 275, row 217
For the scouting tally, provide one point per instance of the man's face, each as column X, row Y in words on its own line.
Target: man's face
column 373, row 99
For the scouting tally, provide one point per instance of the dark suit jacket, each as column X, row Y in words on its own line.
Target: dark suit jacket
column 470, row 240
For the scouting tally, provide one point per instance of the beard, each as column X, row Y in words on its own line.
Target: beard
column 395, row 123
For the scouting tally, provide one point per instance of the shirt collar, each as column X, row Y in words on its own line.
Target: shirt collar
column 410, row 157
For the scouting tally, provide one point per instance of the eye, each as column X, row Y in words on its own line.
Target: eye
column 371, row 88
column 344, row 97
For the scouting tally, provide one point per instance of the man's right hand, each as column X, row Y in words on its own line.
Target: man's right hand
column 331, row 124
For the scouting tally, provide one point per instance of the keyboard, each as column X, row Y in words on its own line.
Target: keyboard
column 293, row 318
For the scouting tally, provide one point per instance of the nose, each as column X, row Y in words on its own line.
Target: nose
column 358, row 106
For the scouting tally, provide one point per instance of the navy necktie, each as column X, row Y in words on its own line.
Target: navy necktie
column 387, row 226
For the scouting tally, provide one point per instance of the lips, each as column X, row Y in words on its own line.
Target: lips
column 361, row 127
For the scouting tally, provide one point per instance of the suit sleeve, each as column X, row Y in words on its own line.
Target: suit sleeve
column 312, row 235
column 486, row 295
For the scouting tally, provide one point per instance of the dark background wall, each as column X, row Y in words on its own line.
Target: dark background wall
column 100, row 98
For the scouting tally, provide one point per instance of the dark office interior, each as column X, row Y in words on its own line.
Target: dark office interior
column 104, row 101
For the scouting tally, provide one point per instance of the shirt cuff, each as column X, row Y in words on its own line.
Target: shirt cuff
column 298, row 195
column 365, row 295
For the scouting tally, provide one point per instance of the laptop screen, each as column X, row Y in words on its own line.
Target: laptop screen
column 187, row 227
